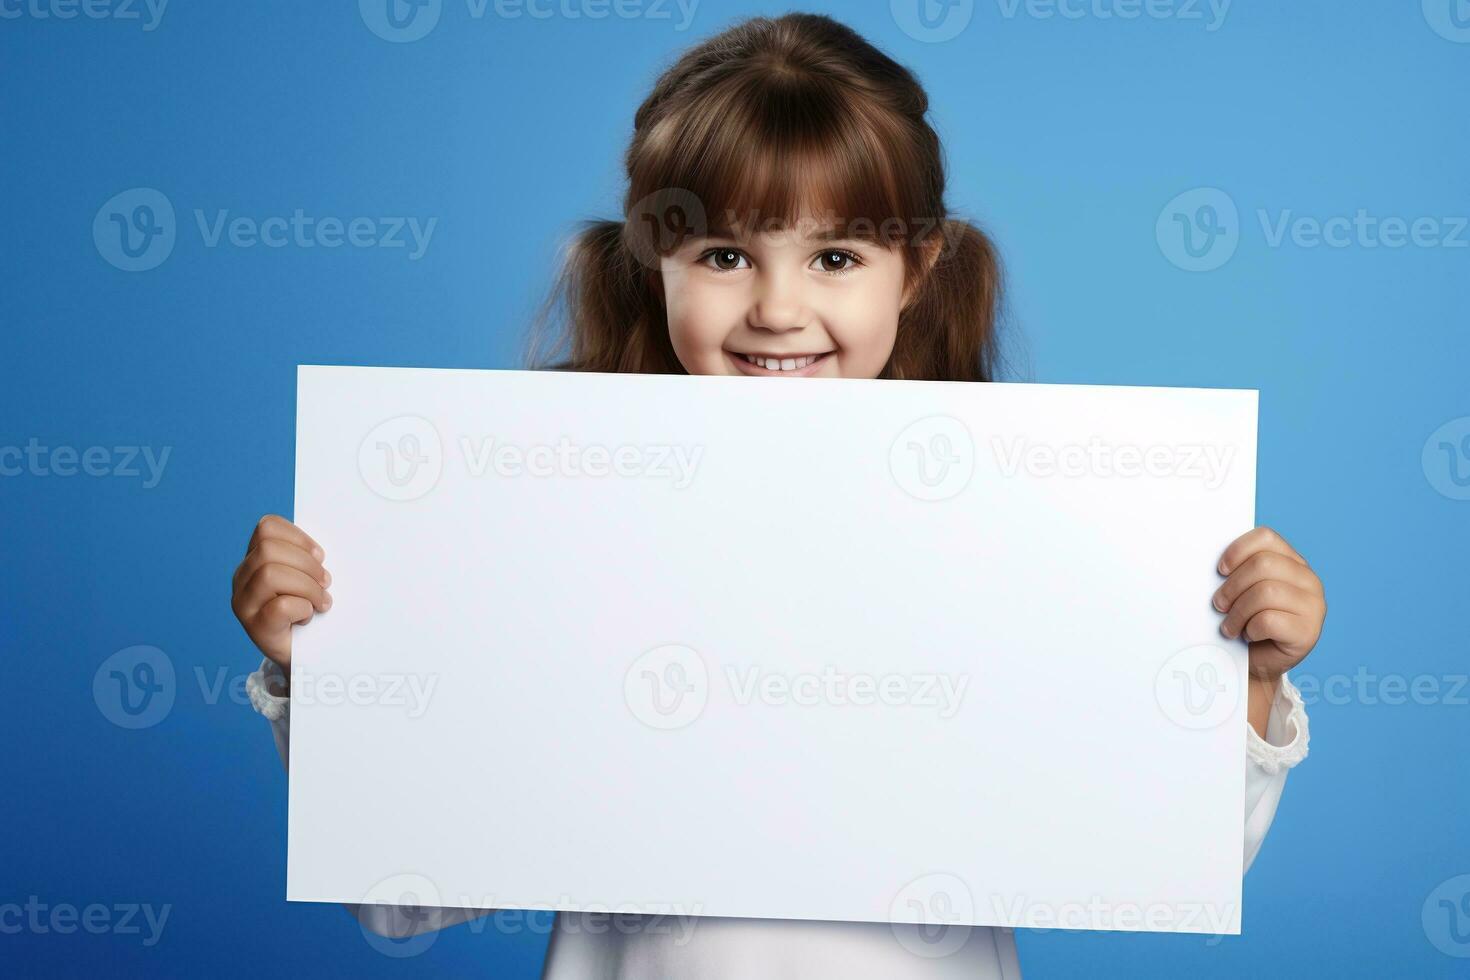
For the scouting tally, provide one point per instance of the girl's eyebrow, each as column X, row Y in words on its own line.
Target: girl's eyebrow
column 820, row 236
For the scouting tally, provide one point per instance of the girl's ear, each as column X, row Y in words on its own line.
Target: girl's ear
column 930, row 254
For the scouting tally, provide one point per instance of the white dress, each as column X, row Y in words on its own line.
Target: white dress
column 583, row 945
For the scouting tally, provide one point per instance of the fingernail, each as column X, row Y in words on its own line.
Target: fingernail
column 1219, row 602
column 1221, row 567
column 318, row 553
column 326, row 578
column 326, row 602
column 1226, row 632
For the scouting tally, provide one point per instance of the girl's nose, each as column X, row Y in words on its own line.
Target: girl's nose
column 779, row 306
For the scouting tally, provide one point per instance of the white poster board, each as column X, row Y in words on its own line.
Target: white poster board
column 780, row 648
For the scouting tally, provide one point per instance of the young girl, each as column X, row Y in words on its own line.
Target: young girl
column 785, row 216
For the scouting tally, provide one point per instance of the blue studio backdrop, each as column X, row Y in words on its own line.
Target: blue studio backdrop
column 1246, row 195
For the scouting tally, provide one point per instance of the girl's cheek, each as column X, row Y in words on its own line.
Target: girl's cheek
column 864, row 334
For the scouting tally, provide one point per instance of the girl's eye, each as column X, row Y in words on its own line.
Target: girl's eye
column 725, row 259
column 836, row 261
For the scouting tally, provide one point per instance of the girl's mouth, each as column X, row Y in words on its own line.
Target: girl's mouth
column 792, row 366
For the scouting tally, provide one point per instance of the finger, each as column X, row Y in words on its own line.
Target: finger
column 1252, row 541
column 282, row 612
column 1260, row 567
column 277, row 551
column 1294, row 634
column 270, row 581
column 1271, row 594
column 276, row 526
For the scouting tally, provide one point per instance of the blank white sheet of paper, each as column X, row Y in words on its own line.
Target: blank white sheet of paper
column 871, row 650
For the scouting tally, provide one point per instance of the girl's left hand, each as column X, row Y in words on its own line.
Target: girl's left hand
column 1272, row 596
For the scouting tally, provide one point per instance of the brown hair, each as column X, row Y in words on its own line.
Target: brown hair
column 764, row 119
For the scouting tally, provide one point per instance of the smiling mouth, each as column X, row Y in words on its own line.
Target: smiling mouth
column 763, row 364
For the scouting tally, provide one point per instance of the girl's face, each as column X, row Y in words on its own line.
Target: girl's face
column 795, row 302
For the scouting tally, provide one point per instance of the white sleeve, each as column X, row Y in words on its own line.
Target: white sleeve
column 1267, row 761
column 392, row 921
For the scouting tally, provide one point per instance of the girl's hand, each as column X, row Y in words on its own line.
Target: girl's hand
column 280, row 583
column 1273, row 598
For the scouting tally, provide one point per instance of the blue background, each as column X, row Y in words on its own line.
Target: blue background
column 1066, row 139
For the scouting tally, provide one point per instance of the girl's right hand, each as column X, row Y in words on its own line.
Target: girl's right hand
column 280, row 583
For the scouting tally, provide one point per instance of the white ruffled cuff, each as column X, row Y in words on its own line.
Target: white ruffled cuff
column 259, row 686
column 1287, row 735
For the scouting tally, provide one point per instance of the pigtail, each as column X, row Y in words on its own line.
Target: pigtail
column 604, row 312
column 948, row 330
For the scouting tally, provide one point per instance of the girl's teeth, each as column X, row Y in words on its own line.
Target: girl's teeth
column 781, row 364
